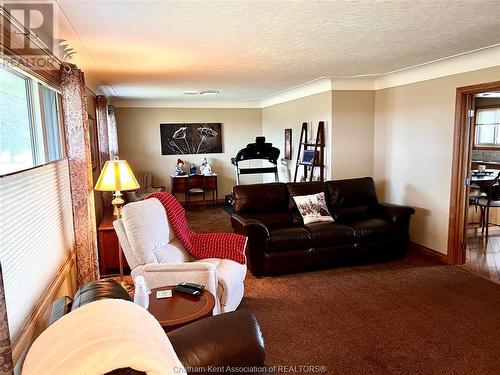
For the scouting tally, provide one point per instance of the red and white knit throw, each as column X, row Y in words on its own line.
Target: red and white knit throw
column 201, row 246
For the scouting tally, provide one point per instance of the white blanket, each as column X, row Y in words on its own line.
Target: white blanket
column 100, row 337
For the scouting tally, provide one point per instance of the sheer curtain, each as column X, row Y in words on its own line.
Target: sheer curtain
column 488, row 126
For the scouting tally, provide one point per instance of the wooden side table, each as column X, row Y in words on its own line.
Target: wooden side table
column 179, row 184
column 180, row 309
column 108, row 247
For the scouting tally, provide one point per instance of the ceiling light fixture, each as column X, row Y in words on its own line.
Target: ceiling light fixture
column 494, row 94
column 209, row 92
column 191, row 92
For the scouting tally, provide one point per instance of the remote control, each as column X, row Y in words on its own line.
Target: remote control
column 194, row 286
column 185, row 290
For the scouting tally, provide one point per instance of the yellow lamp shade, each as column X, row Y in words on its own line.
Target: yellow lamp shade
column 116, row 176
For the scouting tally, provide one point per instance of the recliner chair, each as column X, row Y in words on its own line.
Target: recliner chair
column 145, row 180
column 153, row 251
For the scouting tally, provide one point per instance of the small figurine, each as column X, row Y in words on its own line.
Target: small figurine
column 192, row 169
column 203, row 164
column 205, row 167
column 179, row 168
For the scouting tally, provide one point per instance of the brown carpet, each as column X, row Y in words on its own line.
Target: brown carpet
column 411, row 316
column 370, row 320
column 208, row 220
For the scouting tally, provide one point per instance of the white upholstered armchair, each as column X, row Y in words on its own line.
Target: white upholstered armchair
column 145, row 180
column 152, row 250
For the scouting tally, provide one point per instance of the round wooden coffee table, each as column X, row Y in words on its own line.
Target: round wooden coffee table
column 180, row 309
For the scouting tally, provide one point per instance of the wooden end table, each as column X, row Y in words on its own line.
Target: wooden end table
column 109, row 247
column 180, row 309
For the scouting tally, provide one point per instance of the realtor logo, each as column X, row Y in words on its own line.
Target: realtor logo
column 30, row 36
column 34, row 17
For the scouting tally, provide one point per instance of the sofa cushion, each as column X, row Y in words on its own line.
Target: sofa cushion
column 172, row 252
column 260, row 198
column 305, row 188
column 326, row 234
column 271, row 219
column 288, row 238
column 147, row 228
column 352, row 198
column 372, row 229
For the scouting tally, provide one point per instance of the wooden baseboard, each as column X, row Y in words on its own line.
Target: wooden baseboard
column 428, row 252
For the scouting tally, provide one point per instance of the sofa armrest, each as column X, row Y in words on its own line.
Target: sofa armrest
column 399, row 215
column 257, row 234
column 231, row 339
column 248, row 226
column 158, row 275
column 87, row 293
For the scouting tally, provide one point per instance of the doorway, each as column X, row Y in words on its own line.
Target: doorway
column 474, row 232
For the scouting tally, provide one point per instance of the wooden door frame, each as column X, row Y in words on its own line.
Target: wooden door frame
column 462, row 145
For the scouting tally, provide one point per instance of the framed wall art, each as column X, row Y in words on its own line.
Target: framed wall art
column 288, row 144
column 199, row 138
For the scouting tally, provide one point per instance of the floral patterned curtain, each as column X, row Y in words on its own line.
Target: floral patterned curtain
column 112, row 131
column 76, row 128
column 101, row 109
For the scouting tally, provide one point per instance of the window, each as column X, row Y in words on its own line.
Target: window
column 51, row 120
column 34, row 244
column 30, row 126
column 16, row 147
column 488, row 127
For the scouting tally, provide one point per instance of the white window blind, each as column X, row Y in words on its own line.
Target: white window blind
column 36, row 235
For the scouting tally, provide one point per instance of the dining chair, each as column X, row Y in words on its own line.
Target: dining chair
column 195, row 186
column 491, row 198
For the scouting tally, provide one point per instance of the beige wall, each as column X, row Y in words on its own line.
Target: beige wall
column 277, row 118
column 353, row 126
column 403, row 136
column 139, row 140
column 413, row 147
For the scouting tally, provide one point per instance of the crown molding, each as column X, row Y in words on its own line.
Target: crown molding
column 317, row 86
column 362, row 84
column 466, row 62
column 155, row 103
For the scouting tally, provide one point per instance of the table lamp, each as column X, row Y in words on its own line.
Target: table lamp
column 116, row 176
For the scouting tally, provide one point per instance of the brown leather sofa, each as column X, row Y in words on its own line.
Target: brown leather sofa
column 279, row 242
column 205, row 344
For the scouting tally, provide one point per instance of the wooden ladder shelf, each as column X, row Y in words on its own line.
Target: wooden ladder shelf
column 318, row 153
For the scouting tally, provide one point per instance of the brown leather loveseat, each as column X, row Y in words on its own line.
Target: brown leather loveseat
column 279, row 242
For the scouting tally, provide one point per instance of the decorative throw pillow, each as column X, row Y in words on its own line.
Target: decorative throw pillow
column 313, row 208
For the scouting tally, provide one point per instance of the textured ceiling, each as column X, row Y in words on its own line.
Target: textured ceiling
column 253, row 49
